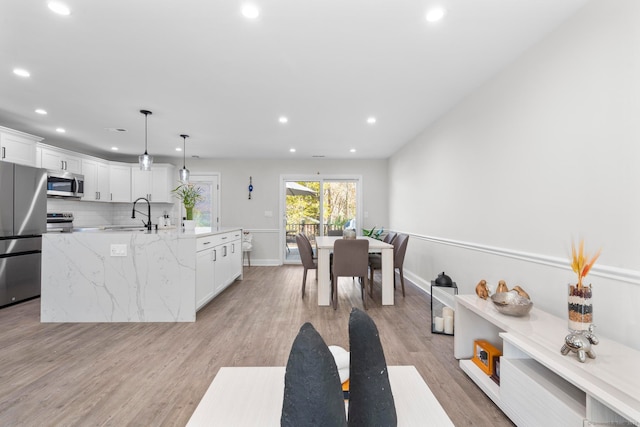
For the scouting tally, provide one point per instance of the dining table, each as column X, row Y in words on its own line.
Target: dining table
column 324, row 245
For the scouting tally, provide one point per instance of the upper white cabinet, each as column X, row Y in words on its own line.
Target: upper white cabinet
column 154, row 185
column 18, row 147
column 56, row 159
column 96, row 180
column 120, row 182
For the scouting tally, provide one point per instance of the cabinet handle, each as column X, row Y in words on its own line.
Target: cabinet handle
column 206, row 243
column 215, row 255
column 111, row 196
column 224, row 238
column 233, row 248
column 4, row 152
column 97, row 196
column 224, row 253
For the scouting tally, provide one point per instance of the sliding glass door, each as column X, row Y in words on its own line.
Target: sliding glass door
column 317, row 207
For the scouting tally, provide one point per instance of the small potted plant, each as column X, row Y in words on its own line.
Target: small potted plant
column 189, row 195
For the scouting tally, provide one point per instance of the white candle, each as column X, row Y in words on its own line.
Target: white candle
column 447, row 311
column 448, row 325
column 439, row 324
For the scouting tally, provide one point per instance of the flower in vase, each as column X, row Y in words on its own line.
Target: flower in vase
column 189, row 194
column 581, row 263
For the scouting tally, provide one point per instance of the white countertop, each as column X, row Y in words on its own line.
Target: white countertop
column 197, row 232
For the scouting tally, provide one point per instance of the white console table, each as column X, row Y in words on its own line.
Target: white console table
column 540, row 386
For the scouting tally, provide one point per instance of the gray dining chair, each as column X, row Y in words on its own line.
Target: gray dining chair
column 377, row 258
column 337, row 232
column 350, row 259
column 306, row 256
column 399, row 250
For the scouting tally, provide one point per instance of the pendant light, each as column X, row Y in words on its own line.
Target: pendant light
column 145, row 160
column 184, row 172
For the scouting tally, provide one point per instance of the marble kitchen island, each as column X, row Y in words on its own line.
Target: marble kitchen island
column 134, row 276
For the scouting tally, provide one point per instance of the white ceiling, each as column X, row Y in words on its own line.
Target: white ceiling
column 205, row 70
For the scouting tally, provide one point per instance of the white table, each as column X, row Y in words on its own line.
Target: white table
column 325, row 247
column 253, row 397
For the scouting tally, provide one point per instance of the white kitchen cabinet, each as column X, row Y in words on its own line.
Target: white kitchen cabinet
column 18, row 147
column 56, row 159
column 154, row 185
column 96, row 180
column 218, row 264
column 538, row 385
column 120, row 182
column 228, row 264
column 204, row 276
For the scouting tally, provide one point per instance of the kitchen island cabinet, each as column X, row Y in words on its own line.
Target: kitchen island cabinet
column 128, row 276
column 218, row 264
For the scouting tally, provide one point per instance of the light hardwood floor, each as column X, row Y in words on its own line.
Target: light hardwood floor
column 154, row 374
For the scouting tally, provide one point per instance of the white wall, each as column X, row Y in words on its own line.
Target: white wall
column 238, row 211
column 545, row 153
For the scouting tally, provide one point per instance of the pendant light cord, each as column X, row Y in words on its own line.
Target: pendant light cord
column 145, row 132
column 184, row 151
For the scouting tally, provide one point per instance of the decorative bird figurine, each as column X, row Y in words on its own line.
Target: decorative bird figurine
column 482, row 290
column 502, row 286
column 521, row 292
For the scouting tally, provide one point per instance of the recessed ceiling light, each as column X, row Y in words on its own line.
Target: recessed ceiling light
column 60, row 130
column 292, row 150
column 59, row 8
column 353, row 150
column 434, row 15
column 283, row 119
column 41, row 111
column 371, row 120
column 250, row 11
column 178, row 149
column 21, row 72
column 114, row 148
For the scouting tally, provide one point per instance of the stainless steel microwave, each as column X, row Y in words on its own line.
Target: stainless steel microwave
column 64, row 184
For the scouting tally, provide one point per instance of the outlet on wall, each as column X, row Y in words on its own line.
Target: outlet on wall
column 118, row 250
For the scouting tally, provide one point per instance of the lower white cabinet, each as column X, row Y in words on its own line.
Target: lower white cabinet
column 538, row 385
column 218, row 264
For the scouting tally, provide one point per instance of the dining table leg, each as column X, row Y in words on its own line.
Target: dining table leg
column 387, row 271
column 324, row 279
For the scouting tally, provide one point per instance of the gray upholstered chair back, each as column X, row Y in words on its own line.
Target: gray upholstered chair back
column 399, row 249
column 338, row 232
column 351, row 257
column 306, row 251
column 389, row 237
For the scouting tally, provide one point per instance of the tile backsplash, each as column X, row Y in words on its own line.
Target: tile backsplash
column 88, row 214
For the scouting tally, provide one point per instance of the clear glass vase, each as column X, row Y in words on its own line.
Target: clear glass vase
column 580, row 308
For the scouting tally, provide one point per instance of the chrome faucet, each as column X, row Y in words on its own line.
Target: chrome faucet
column 148, row 214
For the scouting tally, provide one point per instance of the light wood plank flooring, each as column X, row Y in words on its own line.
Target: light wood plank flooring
column 154, row 374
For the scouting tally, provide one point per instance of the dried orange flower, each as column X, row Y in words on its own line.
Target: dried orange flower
column 580, row 263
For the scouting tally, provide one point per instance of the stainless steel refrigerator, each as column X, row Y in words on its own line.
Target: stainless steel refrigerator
column 23, row 219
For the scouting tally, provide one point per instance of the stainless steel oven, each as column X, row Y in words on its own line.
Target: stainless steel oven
column 64, row 184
